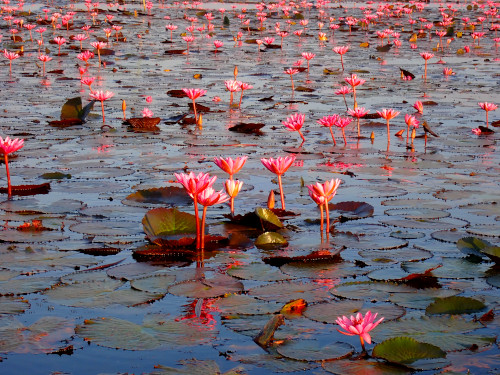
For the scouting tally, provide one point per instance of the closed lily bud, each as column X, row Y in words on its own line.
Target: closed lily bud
column 270, row 200
column 235, row 72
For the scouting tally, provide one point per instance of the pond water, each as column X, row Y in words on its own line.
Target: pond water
column 74, row 299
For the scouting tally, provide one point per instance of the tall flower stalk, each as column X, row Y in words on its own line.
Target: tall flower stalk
column 8, row 146
column 279, row 166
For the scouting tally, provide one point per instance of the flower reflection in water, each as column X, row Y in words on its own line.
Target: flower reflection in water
column 198, row 314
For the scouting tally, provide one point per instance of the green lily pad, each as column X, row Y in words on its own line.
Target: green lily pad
column 100, row 293
column 454, row 305
column 312, row 350
column 449, row 332
column 195, row 367
column 492, row 252
column 372, row 290
column 55, row 175
column 241, row 304
column 207, row 288
column 270, row 239
column 164, row 223
column 167, row 196
column 157, row 331
column 257, row 271
column 405, row 350
column 329, row 312
column 364, row 367
column 268, row 216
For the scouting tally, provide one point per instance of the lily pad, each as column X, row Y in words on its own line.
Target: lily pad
column 43, row 336
column 167, row 223
column 328, row 312
column 472, row 246
column 406, row 351
column 13, row 305
column 287, row 291
column 365, row 366
column 168, row 196
column 241, row 304
column 450, row 333
column 370, row 290
column 268, row 217
column 312, row 350
column 270, row 239
column 257, row 271
column 195, row 367
column 352, row 210
column 207, row 288
column 455, row 305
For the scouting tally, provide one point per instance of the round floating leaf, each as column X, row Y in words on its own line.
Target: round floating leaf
column 421, row 298
column 157, row 331
column 100, row 294
column 312, row 350
column 372, row 290
column 43, row 336
column 268, row 216
column 170, row 195
column 257, row 271
column 454, row 305
column 117, row 333
column 269, row 239
column 417, row 213
column 163, row 222
column 363, row 367
column 352, row 210
column 472, row 245
column 13, row 305
column 367, row 241
column 207, row 288
column 241, row 304
column 405, row 350
column 287, row 291
column 195, row 367
column 153, row 284
column 450, row 333
column 329, row 312
column 26, row 285
column 322, row 269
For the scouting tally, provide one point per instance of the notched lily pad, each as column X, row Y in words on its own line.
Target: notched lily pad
column 270, row 239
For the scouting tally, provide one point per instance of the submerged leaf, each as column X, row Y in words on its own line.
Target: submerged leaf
column 270, row 238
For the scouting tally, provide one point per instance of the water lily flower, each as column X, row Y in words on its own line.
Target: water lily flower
column 487, row 107
column 279, row 166
column 8, row 146
column 359, row 325
column 329, row 122
column 194, row 94
column 341, row 50
column 388, row 114
column 294, row 123
column 322, row 194
column 232, row 187
column 101, row 96
column 231, row 166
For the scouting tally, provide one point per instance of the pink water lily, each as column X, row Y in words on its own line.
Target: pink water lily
column 329, row 122
column 231, row 166
column 294, row 123
column 388, row 114
column 354, row 81
column 232, row 187
column 194, row 94
column 487, row 107
column 101, row 96
column 322, row 194
column 279, row 166
column 209, row 197
column 341, row 50
column 194, row 185
column 358, row 113
column 359, row 325
column 8, row 146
